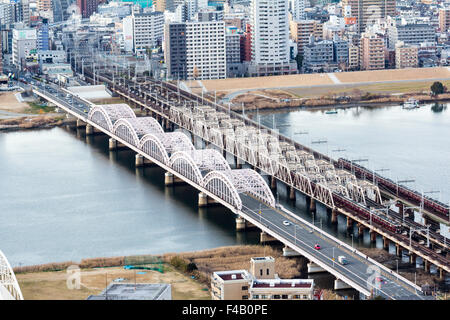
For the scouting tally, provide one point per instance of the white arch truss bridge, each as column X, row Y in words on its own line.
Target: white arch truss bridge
column 205, row 167
column 9, row 287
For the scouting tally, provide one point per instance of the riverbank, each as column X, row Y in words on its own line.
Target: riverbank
column 189, row 273
column 269, row 100
column 17, row 113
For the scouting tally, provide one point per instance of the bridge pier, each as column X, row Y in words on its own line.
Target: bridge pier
column 340, row 285
column 312, row 205
column 237, row 162
column 291, row 193
column 288, row 252
column 81, row 123
column 112, row 144
column 273, row 183
column 360, row 230
column 398, row 250
column 412, row 258
column 441, row 274
column 426, row 266
column 204, row 200
column 334, row 216
column 315, row 268
column 349, row 223
column 89, row 129
column 265, row 237
column 142, row 161
column 385, row 243
column 373, row 236
column 240, row 223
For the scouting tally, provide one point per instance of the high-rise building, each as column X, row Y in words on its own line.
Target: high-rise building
column 353, row 57
column 205, row 54
column 87, row 7
column 270, row 38
column 23, row 43
column 298, row 9
column 42, row 36
column 367, row 12
column 148, row 29
column 371, row 52
column 175, row 50
column 195, row 50
column 444, row 19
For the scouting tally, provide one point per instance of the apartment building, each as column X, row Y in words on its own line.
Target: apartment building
column 353, row 57
column 205, row 54
column 298, row 9
column 175, row 50
column 406, row 56
column 301, row 31
column 24, row 41
column 144, row 29
column 270, row 38
column 371, row 52
column 444, row 19
column 260, row 283
column 367, row 12
column 318, row 54
column 233, row 50
column 412, row 34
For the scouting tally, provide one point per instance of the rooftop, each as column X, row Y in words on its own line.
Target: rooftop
column 130, row 291
column 283, row 283
column 233, row 275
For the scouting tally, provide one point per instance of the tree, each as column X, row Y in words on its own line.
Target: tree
column 299, row 59
column 191, row 267
column 437, row 88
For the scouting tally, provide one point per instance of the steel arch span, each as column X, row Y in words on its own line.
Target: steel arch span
column 220, row 184
column 182, row 163
column 132, row 129
column 152, row 144
column 107, row 114
column 9, row 287
column 238, row 181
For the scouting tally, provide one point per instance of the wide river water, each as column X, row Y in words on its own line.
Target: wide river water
column 66, row 197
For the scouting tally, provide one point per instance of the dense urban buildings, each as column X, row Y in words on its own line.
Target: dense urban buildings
column 189, row 39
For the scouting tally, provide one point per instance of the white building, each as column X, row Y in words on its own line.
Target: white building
column 298, row 9
column 270, row 37
column 145, row 30
column 23, row 43
column 205, row 50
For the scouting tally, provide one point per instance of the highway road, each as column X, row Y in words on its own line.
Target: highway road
column 358, row 268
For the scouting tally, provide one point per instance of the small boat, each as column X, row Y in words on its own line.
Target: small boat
column 331, row 111
column 411, row 103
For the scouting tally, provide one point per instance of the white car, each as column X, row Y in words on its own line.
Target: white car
column 286, row 223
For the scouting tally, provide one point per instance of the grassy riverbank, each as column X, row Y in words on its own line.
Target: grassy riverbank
column 189, row 273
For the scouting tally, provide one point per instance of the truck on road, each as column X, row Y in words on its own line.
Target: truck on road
column 342, row 260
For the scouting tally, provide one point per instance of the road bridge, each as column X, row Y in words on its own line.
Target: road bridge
column 243, row 191
column 9, row 287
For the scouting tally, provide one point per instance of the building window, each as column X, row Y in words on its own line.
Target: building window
column 276, row 296
column 284, row 296
column 305, row 296
column 244, row 297
column 260, row 272
column 267, row 271
column 244, row 287
column 255, row 296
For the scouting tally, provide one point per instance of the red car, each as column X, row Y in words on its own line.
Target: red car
column 317, row 246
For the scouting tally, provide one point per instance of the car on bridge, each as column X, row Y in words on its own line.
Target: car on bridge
column 286, row 223
column 317, row 246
